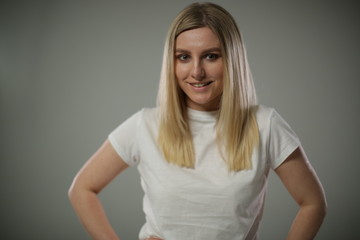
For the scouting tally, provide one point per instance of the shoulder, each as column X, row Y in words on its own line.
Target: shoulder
column 150, row 114
column 272, row 125
column 150, row 111
column 148, row 118
column 264, row 115
column 263, row 110
column 144, row 113
column 137, row 119
column 136, row 124
column 269, row 120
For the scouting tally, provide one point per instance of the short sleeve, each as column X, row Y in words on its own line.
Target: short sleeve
column 124, row 139
column 282, row 140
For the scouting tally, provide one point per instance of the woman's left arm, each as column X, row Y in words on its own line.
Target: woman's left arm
column 303, row 184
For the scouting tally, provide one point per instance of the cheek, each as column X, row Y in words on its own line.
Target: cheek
column 220, row 71
column 215, row 71
column 181, row 72
column 178, row 77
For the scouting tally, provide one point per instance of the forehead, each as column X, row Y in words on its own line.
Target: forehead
column 198, row 37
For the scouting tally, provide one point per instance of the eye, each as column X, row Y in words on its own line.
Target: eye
column 183, row 57
column 211, row 56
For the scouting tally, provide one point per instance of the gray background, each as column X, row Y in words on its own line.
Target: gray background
column 71, row 71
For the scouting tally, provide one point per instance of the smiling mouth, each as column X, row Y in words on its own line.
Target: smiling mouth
column 199, row 85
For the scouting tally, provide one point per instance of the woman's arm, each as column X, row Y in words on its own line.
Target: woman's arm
column 303, row 184
column 99, row 170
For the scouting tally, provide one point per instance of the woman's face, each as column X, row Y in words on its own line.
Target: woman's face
column 199, row 68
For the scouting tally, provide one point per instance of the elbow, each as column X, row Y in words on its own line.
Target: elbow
column 324, row 208
column 75, row 189
column 72, row 191
column 320, row 209
column 78, row 191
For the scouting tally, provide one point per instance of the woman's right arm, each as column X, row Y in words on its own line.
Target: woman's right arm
column 98, row 171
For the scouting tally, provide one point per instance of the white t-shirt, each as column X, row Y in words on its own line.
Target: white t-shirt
column 207, row 202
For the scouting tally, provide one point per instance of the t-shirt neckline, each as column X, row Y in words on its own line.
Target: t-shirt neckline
column 202, row 115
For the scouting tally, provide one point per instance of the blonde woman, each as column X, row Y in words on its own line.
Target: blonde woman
column 205, row 152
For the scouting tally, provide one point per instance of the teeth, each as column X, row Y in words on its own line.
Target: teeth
column 200, row 84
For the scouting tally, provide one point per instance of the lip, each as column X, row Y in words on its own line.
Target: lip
column 192, row 84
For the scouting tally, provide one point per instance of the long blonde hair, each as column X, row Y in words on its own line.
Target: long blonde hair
column 236, row 128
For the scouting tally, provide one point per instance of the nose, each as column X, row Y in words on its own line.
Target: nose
column 198, row 72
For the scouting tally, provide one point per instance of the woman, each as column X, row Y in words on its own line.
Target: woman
column 205, row 152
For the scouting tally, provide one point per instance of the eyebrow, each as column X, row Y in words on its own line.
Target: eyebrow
column 215, row 49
